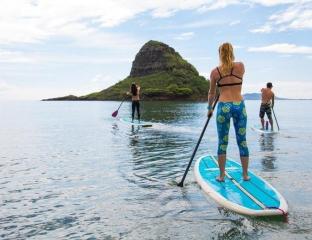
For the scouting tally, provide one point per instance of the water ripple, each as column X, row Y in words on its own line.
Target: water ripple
column 70, row 171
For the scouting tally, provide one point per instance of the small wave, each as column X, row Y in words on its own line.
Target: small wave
column 174, row 128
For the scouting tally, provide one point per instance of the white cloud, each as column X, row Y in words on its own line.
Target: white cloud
column 4, row 86
column 264, row 29
column 234, row 22
column 15, row 57
column 286, row 56
column 99, row 82
column 297, row 16
column 195, row 24
column 163, row 13
column 185, row 36
column 82, row 59
column 237, row 47
column 29, row 21
column 200, row 24
column 289, row 89
column 270, row 3
column 101, row 78
column 283, row 88
column 25, row 21
column 214, row 5
column 219, row 4
column 205, row 74
column 18, row 57
column 284, row 48
column 198, row 58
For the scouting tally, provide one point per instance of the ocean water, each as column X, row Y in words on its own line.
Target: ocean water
column 68, row 170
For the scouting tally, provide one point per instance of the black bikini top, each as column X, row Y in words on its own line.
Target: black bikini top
column 228, row 84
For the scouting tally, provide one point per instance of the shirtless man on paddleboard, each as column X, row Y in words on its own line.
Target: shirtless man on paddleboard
column 267, row 102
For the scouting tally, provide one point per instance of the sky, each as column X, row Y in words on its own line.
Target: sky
column 51, row 48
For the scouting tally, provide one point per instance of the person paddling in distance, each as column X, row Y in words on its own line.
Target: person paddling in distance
column 135, row 96
column 267, row 102
column 228, row 77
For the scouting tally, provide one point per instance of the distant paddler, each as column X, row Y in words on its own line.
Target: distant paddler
column 267, row 102
column 229, row 78
column 135, row 96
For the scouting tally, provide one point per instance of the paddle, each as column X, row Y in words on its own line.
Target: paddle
column 114, row 114
column 275, row 119
column 197, row 145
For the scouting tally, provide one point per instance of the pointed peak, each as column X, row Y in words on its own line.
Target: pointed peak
column 155, row 57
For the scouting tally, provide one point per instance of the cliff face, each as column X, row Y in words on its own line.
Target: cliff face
column 156, row 57
column 162, row 74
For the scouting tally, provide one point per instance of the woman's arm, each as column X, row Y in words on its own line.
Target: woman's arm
column 212, row 89
column 211, row 93
column 138, row 90
column 128, row 93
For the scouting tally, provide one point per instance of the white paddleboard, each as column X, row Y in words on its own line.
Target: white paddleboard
column 255, row 197
column 264, row 131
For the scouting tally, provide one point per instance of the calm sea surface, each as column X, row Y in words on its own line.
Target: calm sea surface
column 68, row 170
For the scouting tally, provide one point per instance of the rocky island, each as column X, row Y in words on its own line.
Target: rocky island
column 162, row 74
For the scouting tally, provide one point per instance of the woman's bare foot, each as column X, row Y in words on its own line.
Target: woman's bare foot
column 220, row 179
column 246, row 178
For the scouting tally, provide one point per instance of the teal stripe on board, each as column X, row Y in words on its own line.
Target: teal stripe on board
column 252, row 186
column 255, row 186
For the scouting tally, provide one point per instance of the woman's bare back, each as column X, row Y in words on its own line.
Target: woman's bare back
column 230, row 93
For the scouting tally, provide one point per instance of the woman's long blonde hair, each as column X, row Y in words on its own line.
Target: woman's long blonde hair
column 226, row 55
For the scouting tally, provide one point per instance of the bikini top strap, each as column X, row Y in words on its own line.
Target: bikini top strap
column 232, row 74
column 230, row 84
column 219, row 73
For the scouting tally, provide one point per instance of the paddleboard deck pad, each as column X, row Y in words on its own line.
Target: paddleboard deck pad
column 263, row 131
column 255, row 197
column 136, row 122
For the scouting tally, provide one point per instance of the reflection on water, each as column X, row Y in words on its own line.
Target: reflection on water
column 68, row 170
column 266, row 142
column 114, row 129
column 157, row 154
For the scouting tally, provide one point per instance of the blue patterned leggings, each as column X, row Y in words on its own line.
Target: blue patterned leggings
column 237, row 111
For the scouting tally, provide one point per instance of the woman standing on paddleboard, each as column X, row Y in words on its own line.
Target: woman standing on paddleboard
column 135, row 93
column 228, row 77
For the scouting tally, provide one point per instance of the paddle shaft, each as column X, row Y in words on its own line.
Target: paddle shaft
column 198, row 142
column 122, row 102
column 275, row 119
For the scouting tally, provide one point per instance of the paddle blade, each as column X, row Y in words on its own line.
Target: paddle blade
column 114, row 114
